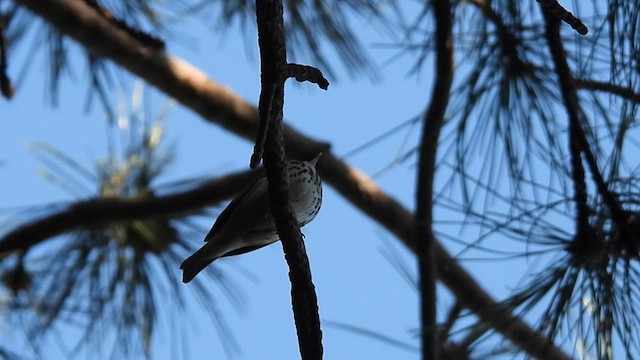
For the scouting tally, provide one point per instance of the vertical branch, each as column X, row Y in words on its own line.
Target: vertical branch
column 6, row 88
column 274, row 71
column 578, row 139
column 422, row 230
column 575, row 130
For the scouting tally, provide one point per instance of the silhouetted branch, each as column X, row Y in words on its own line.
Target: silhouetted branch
column 576, row 132
column 307, row 73
column 219, row 105
column 423, row 232
column 95, row 212
column 266, row 97
column 577, row 135
column 561, row 13
column 274, row 70
column 623, row 92
column 6, row 88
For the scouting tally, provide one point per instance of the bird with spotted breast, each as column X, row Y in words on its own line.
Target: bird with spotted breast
column 247, row 224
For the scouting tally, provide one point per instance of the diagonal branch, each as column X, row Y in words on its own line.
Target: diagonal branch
column 219, row 105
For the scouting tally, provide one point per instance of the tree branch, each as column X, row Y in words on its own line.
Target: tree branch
column 508, row 41
column 578, row 135
column 623, row 92
column 97, row 212
column 571, row 103
column 423, row 231
column 307, row 73
column 219, row 105
column 274, row 71
column 562, row 14
column 6, row 88
column 145, row 38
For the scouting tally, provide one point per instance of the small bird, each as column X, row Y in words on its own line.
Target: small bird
column 246, row 224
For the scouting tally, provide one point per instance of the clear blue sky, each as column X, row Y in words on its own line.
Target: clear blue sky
column 355, row 283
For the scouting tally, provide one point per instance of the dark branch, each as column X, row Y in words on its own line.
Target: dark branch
column 508, row 40
column 561, row 13
column 274, row 71
column 300, row 73
column 452, row 316
column 97, row 212
column 6, row 87
column 307, row 73
column 423, row 232
column 266, row 97
column 574, row 111
column 623, row 92
column 219, row 105
column 578, row 136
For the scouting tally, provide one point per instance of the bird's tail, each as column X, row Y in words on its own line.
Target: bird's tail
column 196, row 263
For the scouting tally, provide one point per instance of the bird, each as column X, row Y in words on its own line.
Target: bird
column 247, row 224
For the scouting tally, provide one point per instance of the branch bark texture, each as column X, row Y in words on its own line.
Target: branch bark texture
column 219, row 105
column 274, row 71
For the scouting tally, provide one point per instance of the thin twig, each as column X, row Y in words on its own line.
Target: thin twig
column 452, row 317
column 143, row 37
column 6, row 87
column 572, row 104
column 507, row 38
column 561, row 13
column 300, row 73
column 266, row 97
column 307, row 73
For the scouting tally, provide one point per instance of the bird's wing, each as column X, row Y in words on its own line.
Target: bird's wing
column 226, row 214
column 245, row 249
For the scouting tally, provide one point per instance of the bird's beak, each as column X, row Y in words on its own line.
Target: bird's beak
column 315, row 159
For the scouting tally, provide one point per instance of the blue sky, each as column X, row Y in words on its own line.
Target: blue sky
column 355, row 283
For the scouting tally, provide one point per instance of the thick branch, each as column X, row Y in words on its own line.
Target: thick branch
column 423, row 231
column 220, row 105
column 274, row 71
